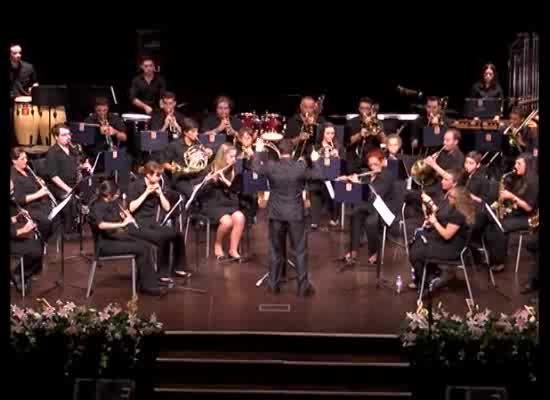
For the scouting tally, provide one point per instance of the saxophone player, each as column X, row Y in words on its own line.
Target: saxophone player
column 168, row 119
column 518, row 200
column 112, row 130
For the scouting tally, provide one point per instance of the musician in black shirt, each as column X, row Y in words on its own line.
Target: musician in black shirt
column 22, row 74
column 527, row 139
column 31, row 194
column 433, row 117
column 222, row 122
column 111, row 133
column 168, row 119
column 111, row 228
column 488, row 86
column 248, row 201
column 175, row 152
column 450, row 157
column 147, row 88
column 146, row 200
column 64, row 166
column 285, row 210
column 296, row 126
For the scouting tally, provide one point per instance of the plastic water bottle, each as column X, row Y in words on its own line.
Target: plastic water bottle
column 399, row 284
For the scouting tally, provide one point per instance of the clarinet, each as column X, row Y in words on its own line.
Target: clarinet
column 22, row 211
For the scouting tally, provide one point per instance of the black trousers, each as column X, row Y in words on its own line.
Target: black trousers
column 359, row 216
column 319, row 197
column 46, row 227
column 31, row 250
column 162, row 237
column 532, row 246
column 278, row 231
column 497, row 241
column 141, row 250
column 419, row 252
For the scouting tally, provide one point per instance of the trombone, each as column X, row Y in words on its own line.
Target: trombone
column 514, row 134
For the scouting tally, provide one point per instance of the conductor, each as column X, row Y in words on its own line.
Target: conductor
column 285, row 211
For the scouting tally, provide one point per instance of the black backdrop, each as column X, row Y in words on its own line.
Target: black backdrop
column 344, row 66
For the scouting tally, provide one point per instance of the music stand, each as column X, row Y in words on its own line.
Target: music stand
column 397, row 170
column 153, row 143
column 483, row 108
column 117, row 161
column 83, row 133
column 219, row 139
column 254, row 183
column 488, row 141
column 432, row 139
column 51, row 96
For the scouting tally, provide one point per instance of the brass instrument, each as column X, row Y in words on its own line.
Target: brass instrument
column 503, row 208
column 103, row 122
column 309, row 128
column 514, row 134
column 422, row 173
column 373, row 127
column 195, row 160
column 42, row 184
column 533, row 221
column 173, row 128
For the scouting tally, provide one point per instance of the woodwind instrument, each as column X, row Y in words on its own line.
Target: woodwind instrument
column 25, row 214
column 42, row 184
column 125, row 212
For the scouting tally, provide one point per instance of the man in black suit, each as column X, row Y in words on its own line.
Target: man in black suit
column 287, row 178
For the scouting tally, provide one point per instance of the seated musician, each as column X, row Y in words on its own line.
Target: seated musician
column 327, row 148
column 488, row 86
column 112, row 224
column 174, row 153
column 64, row 166
column 359, row 139
column 444, row 234
column 245, row 141
column 450, row 157
column 168, row 119
column 145, row 198
column 527, row 139
column 221, row 121
column 219, row 199
column 31, row 194
column 517, row 201
column 24, row 243
column 112, row 130
column 147, row 88
column 365, row 212
column 298, row 124
column 533, row 281
column 433, row 117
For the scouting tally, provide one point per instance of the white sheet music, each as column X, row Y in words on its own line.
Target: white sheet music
column 492, row 214
column 330, row 189
column 59, row 207
column 383, row 210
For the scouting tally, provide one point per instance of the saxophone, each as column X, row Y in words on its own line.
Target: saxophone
column 502, row 207
column 533, row 221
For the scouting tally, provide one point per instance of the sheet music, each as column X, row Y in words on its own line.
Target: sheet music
column 59, row 207
column 383, row 210
column 330, row 189
column 492, row 214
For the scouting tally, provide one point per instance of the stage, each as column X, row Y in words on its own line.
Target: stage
column 345, row 302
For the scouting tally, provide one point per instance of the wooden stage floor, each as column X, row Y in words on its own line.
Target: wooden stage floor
column 345, row 302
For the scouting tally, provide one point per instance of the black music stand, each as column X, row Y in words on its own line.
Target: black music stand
column 117, row 162
column 83, row 133
column 219, row 139
column 397, row 169
column 50, row 96
column 488, row 141
column 331, row 167
column 153, row 143
column 432, row 139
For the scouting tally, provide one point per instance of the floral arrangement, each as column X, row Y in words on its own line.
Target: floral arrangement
column 86, row 341
column 478, row 338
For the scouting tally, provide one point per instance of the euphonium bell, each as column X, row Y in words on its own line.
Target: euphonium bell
column 422, row 173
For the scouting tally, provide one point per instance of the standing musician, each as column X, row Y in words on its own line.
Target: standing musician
column 168, row 119
column 450, row 157
column 246, row 139
column 111, row 134
column 285, row 212
column 175, row 153
column 31, row 193
column 145, row 197
column 220, row 202
column 517, row 200
column 222, row 121
column 365, row 212
column 444, row 234
column 147, row 88
column 64, row 164
column 22, row 74
column 433, row 117
column 363, row 133
column 301, row 127
column 112, row 223
column 24, row 243
column 328, row 148
column 488, row 86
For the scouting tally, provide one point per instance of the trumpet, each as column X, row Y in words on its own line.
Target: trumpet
column 104, row 123
column 42, row 184
column 173, row 126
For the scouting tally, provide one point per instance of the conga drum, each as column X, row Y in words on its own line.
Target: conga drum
column 25, row 118
column 49, row 117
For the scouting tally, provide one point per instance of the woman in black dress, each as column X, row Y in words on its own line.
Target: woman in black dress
column 445, row 233
column 111, row 227
column 220, row 202
column 520, row 194
column 145, row 201
column 328, row 149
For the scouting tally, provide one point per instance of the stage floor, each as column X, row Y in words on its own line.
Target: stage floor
column 345, row 302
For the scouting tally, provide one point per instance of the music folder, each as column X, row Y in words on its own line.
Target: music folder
column 219, row 139
column 153, row 140
column 331, row 167
column 253, row 183
column 116, row 161
column 397, row 169
column 488, row 141
column 83, row 133
column 432, row 139
column 349, row 193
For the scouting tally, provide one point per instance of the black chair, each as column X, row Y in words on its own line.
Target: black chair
column 458, row 262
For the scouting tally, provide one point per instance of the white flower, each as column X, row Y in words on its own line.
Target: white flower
column 456, row 318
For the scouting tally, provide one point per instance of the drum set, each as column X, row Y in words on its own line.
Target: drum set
column 32, row 121
column 270, row 126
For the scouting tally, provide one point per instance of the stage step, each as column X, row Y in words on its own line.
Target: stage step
column 269, row 392
column 245, row 365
